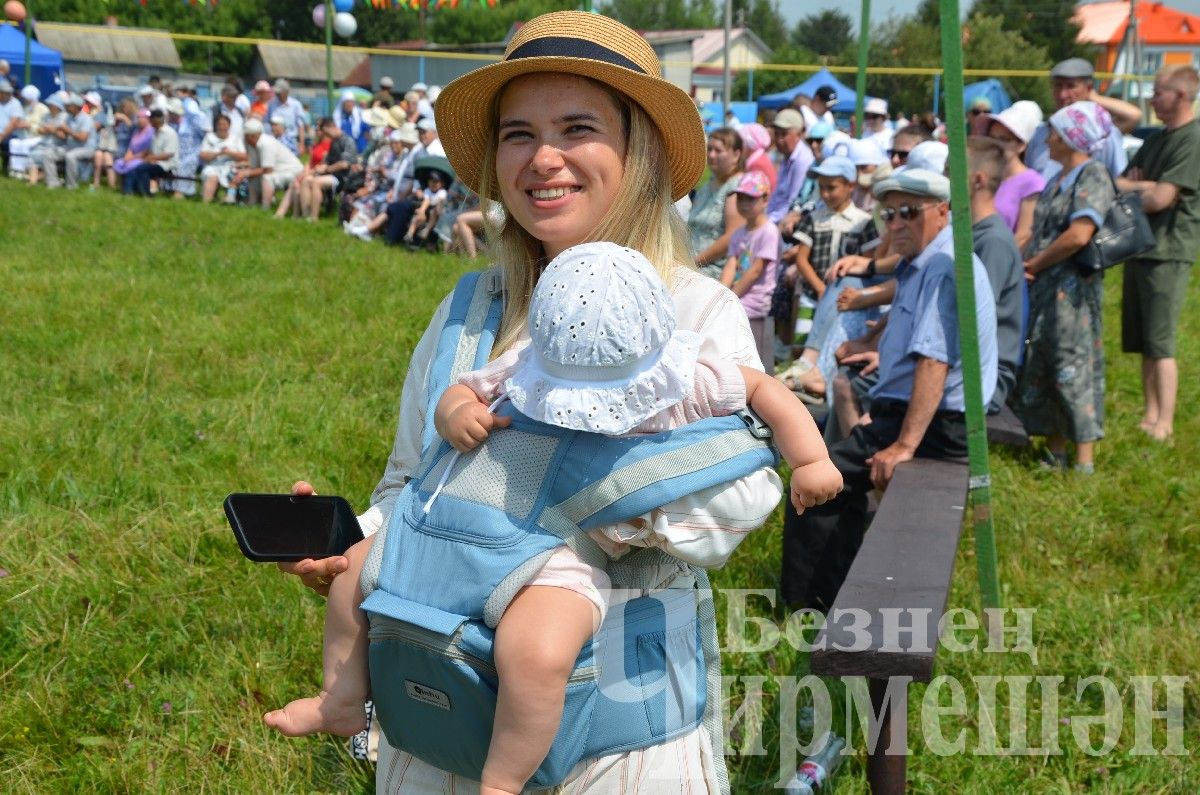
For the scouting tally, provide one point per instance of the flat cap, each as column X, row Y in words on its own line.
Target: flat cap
column 1073, row 68
column 788, row 119
column 916, row 181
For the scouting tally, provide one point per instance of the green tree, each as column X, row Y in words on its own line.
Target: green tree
column 987, row 44
column 1048, row 24
column 472, row 23
column 663, row 15
column 762, row 17
column 828, row 33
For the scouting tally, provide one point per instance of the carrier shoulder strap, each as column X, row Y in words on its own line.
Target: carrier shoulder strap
column 466, row 339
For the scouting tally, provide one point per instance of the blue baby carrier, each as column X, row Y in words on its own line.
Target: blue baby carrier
column 438, row 582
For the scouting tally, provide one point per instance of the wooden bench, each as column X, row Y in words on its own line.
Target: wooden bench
column 906, row 562
column 1006, row 428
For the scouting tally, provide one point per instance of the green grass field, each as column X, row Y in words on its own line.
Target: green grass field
column 156, row 355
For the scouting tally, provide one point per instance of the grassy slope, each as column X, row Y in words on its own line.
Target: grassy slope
column 156, row 355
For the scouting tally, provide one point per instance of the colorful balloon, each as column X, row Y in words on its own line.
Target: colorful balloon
column 343, row 5
column 319, row 15
column 344, row 24
column 14, row 10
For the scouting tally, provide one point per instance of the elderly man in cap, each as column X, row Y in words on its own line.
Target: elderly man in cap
column 431, row 145
column 288, row 108
column 82, row 137
column 424, row 105
column 160, row 161
column 271, row 167
column 917, row 404
column 1072, row 81
column 11, row 115
column 384, row 97
column 788, row 129
column 74, row 142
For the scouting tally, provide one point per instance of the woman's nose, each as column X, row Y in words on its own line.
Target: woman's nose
column 546, row 158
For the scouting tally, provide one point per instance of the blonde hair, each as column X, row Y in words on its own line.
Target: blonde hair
column 1184, row 77
column 642, row 216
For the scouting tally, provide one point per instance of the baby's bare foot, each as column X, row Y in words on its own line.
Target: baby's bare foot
column 322, row 714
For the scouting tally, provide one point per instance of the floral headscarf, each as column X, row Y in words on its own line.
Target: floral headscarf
column 1083, row 125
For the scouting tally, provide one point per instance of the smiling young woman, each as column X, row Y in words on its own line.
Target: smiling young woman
column 580, row 139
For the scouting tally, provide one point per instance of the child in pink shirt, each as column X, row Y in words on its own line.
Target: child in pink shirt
column 750, row 269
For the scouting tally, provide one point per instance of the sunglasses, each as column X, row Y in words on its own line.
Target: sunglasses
column 905, row 212
column 899, row 154
column 976, row 112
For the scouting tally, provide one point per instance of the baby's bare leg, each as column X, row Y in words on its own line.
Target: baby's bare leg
column 537, row 641
column 339, row 707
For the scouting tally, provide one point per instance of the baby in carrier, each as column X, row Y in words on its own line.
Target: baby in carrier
column 604, row 357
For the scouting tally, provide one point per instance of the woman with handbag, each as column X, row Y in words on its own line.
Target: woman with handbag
column 1060, row 390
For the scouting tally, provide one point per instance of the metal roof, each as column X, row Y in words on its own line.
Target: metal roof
column 109, row 44
column 301, row 62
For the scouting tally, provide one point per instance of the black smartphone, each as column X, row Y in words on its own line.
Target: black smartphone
column 284, row 527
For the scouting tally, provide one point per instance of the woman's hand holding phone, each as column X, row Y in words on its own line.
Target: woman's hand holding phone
column 315, row 574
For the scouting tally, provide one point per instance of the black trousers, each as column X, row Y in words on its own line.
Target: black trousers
column 399, row 216
column 820, row 545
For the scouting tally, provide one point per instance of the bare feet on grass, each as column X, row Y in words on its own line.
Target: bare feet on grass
column 322, row 714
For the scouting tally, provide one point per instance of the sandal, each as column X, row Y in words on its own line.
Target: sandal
column 1053, row 462
column 791, row 375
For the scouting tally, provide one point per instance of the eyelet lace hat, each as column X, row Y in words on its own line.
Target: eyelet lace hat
column 605, row 354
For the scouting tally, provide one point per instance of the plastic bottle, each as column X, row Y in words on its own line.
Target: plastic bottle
column 816, row 769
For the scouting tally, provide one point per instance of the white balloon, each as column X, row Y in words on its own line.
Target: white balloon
column 344, row 24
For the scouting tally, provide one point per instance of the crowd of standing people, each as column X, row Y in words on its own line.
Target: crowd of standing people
column 860, row 266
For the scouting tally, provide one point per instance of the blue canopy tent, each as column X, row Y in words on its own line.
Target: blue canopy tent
column 992, row 90
column 823, row 77
column 47, row 72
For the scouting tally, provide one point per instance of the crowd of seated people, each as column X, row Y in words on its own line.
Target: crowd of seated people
column 375, row 165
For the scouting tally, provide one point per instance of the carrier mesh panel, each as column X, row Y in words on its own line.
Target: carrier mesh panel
column 368, row 580
column 481, row 476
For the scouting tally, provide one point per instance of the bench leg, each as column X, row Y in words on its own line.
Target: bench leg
column 887, row 772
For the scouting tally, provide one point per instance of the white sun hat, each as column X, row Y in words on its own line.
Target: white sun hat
column 605, row 354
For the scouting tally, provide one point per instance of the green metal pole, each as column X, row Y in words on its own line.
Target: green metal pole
column 28, row 42
column 960, row 201
column 860, row 84
column 329, row 54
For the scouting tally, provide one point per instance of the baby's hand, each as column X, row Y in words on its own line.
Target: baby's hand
column 815, row 483
column 469, row 423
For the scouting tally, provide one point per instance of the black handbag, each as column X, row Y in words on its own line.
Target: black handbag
column 1124, row 234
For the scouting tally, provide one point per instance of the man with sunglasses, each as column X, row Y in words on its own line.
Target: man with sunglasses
column 1072, row 81
column 917, row 405
column 904, row 141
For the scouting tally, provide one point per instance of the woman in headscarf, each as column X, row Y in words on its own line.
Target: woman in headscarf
column 1060, row 390
column 756, row 141
column 348, row 116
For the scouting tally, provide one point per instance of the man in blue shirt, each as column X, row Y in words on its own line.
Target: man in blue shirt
column 1072, row 81
column 788, row 128
column 917, row 405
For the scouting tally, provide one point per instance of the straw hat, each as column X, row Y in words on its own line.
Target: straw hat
column 589, row 45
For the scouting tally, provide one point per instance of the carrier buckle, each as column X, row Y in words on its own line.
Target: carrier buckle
column 758, row 429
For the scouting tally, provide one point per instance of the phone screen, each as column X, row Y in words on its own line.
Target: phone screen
column 282, row 527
